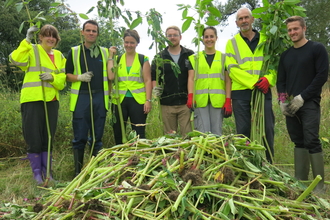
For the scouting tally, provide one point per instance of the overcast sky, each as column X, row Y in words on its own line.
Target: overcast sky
column 171, row 16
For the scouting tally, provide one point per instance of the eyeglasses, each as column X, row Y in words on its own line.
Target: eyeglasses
column 172, row 35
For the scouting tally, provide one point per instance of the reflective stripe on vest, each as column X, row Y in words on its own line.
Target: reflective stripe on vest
column 132, row 80
column 77, row 71
column 241, row 61
column 210, row 81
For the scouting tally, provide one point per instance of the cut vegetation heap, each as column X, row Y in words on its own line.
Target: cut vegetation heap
column 206, row 177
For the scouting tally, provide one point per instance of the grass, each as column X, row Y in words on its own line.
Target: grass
column 16, row 182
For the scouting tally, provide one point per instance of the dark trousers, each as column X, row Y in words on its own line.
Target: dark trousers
column 34, row 124
column 242, row 113
column 135, row 112
column 304, row 127
column 82, row 121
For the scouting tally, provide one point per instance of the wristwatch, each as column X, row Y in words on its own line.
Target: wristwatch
column 149, row 100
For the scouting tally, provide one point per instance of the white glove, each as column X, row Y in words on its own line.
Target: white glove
column 46, row 77
column 85, row 77
column 285, row 110
column 30, row 33
column 158, row 91
column 295, row 104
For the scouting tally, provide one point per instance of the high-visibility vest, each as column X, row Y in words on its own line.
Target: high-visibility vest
column 34, row 60
column 210, row 81
column 132, row 80
column 244, row 67
column 75, row 87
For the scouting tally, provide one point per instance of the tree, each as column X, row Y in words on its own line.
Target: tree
column 318, row 27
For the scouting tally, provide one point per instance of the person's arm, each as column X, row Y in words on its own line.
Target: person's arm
column 148, row 85
column 228, row 85
column 190, row 84
column 320, row 56
column 20, row 56
column 112, row 52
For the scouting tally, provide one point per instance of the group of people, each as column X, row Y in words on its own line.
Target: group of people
column 211, row 85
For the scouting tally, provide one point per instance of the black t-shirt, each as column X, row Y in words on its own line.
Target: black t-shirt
column 94, row 64
column 303, row 70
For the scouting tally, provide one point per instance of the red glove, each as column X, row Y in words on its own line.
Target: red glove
column 190, row 100
column 262, row 85
column 227, row 111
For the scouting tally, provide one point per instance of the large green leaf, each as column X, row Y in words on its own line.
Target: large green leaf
column 187, row 24
column 21, row 27
column 291, row 2
column 212, row 22
column 19, row 6
column 265, row 3
column 184, row 13
column 273, row 29
column 259, row 10
column 135, row 23
column 83, row 16
column 214, row 11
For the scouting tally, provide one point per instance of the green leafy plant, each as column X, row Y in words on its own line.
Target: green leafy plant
column 277, row 41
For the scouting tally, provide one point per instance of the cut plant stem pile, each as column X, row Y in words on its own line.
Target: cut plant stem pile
column 205, row 177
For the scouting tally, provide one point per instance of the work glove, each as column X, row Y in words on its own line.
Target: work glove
column 46, row 77
column 190, row 100
column 227, row 110
column 284, row 109
column 262, row 85
column 295, row 104
column 30, row 33
column 85, row 77
column 158, row 91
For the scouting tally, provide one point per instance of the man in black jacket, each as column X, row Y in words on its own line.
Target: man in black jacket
column 174, row 83
column 302, row 71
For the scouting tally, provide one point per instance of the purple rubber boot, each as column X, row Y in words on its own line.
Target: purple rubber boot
column 44, row 158
column 35, row 163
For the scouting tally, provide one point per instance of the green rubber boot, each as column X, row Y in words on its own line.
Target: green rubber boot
column 301, row 163
column 318, row 169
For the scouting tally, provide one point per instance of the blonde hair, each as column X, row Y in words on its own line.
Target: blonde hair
column 174, row 28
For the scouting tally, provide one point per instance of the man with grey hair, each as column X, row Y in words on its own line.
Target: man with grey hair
column 174, row 88
column 302, row 71
column 244, row 62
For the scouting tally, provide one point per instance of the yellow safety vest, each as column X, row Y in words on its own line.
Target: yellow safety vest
column 210, row 81
column 132, row 80
column 75, row 87
column 34, row 60
column 244, row 66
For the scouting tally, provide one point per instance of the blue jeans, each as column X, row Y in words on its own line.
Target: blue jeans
column 82, row 124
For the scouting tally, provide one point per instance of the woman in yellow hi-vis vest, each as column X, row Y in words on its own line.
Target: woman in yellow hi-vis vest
column 134, row 84
column 44, row 76
column 212, row 86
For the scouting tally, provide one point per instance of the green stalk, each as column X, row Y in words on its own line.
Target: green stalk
column 309, row 189
column 90, row 98
column 181, row 195
column 117, row 97
column 45, row 106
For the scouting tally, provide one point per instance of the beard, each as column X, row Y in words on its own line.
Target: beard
column 299, row 38
column 245, row 28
